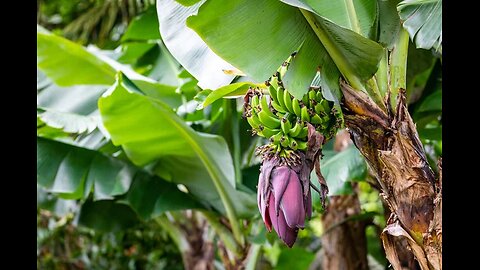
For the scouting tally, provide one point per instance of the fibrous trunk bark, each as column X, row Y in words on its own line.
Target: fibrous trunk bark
column 344, row 244
column 390, row 144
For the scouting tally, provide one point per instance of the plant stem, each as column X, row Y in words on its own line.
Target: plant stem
column 333, row 51
column 222, row 232
column 215, row 175
column 232, row 124
column 352, row 16
column 177, row 236
column 381, row 75
column 253, row 257
column 398, row 67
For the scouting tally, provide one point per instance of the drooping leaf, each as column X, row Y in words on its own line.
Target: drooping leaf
column 389, row 22
column 359, row 16
column 231, row 90
column 72, row 171
column 423, row 21
column 188, row 48
column 69, row 122
column 432, row 103
column 356, row 57
column 149, row 131
column 150, row 196
column 106, row 216
column 143, row 27
column 271, row 32
column 69, row 64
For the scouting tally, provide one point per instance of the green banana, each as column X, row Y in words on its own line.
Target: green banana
column 268, row 132
column 319, row 109
column 296, row 107
column 293, row 144
column 319, row 96
column 295, row 131
column 268, row 120
column 278, row 108
column 288, row 101
column 255, row 102
column 305, row 99
column 315, row 119
column 325, row 105
column 280, row 99
column 265, row 107
column 275, row 139
column 303, row 133
column 302, row 145
column 253, row 120
column 311, row 98
column 285, row 141
column 304, row 114
column 285, row 124
column 273, row 93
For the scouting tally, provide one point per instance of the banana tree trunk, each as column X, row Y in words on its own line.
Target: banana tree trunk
column 338, row 250
column 390, row 144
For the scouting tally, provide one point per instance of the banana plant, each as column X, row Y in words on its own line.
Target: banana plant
column 347, row 65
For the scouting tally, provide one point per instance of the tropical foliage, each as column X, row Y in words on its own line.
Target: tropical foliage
column 146, row 146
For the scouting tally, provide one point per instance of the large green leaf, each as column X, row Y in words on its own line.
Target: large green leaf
column 423, row 21
column 188, row 48
column 339, row 169
column 106, row 216
column 356, row 57
column 68, row 63
column 294, row 258
column 143, row 27
column 270, row 32
column 69, row 122
column 149, row 131
column 389, row 22
column 359, row 15
column 72, row 171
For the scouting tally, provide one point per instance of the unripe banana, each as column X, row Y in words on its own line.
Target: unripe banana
column 285, row 124
column 296, row 107
column 315, row 119
column 303, row 133
column 325, row 105
column 285, row 141
column 293, row 144
column 268, row 120
column 280, row 93
column 265, row 107
column 273, row 93
column 305, row 99
column 253, row 120
column 304, row 114
column 295, row 131
column 268, row 132
column 312, row 95
column 319, row 96
column 302, row 145
column 319, row 109
column 278, row 108
column 275, row 139
column 288, row 101
column 255, row 102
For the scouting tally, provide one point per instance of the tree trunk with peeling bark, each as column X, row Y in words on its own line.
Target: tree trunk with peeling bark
column 390, row 144
column 344, row 244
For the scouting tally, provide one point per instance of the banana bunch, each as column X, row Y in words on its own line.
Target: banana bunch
column 283, row 118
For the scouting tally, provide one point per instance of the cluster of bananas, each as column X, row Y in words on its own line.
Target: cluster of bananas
column 277, row 115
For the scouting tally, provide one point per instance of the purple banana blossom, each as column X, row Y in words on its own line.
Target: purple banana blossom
column 284, row 198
